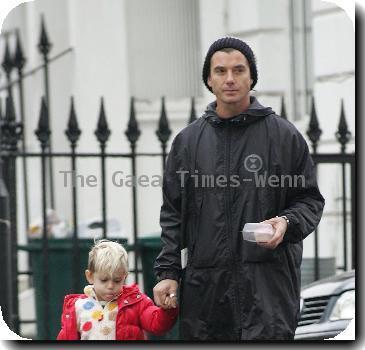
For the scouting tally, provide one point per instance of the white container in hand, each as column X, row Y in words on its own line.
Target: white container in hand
column 257, row 232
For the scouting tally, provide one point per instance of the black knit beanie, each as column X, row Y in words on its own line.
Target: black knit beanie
column 234, row 43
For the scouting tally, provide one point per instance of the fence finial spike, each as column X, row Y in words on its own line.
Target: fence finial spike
column 19, row 59
column 44, row 44
column 102, row 131
column 43, row 132
column 283, row 109
column 73, row 131
column 314, row 131
column 343, row 134
column 192, row 111
column 163, row 132
column 133, row 132
column 7, row 63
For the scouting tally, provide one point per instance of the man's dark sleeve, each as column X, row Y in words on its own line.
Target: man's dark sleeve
column 304, row 202
column 168, row 262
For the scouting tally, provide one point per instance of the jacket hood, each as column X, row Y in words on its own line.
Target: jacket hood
column 131, row 289
column 126, row 291
column 254, row 113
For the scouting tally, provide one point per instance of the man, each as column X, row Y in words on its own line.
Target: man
column 261, row 170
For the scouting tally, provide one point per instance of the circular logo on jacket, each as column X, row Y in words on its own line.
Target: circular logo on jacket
column 253, row 163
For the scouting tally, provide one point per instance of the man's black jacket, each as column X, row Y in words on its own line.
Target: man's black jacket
column 226, row 173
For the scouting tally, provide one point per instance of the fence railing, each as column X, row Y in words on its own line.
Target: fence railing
column 343, row 136
column 13, row 147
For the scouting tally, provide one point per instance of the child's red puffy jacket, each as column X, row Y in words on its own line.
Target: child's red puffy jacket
column 136, row 313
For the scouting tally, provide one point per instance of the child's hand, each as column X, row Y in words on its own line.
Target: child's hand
column 171, row 301
column 164, row 293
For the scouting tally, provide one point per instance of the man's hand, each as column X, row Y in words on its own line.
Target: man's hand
column 164, row 294
column 280, row 226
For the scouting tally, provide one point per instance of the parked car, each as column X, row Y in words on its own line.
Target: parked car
column 327, row 307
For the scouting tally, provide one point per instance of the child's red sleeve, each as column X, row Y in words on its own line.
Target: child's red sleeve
column 68, row 321
column 156, row 320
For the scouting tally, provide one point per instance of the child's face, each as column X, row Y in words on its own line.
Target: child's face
column 106, row 287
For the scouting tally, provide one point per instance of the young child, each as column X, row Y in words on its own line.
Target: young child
column 109, row 309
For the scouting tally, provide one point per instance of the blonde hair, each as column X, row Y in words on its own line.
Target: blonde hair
column 107, row 257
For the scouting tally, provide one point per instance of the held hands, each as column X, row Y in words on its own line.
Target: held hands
column 280, row 226
column 164, row 294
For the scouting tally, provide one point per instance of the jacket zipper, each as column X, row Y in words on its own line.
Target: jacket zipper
column 229, row 228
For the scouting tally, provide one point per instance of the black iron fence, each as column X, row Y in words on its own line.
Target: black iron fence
column 343, row 136
column 13, row 147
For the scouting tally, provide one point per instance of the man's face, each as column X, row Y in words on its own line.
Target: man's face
column 230, row 77
column 106, row 287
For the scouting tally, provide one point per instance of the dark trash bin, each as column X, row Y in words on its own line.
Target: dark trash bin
column 60, row 272
column 150, row 247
